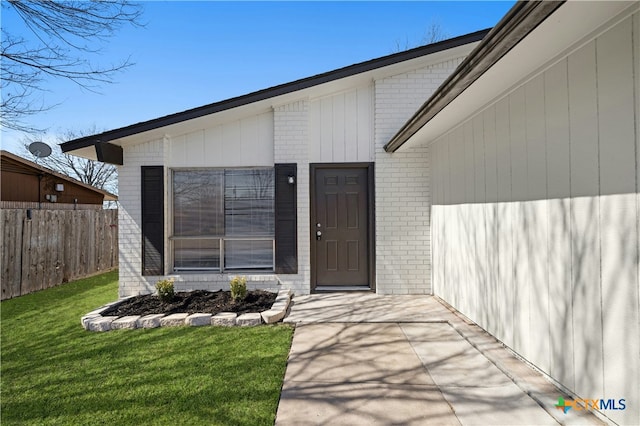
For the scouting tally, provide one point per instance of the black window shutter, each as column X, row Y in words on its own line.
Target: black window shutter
column 286, row 229
column 152, row 220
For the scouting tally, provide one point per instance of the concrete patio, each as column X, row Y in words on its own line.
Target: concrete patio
column 363, row 359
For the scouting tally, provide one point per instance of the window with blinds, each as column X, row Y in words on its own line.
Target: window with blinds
column 223, row 219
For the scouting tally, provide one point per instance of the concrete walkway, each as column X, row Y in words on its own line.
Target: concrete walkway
column 364, row 359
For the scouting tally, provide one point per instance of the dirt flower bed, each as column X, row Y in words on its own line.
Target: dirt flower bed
column 209, row 302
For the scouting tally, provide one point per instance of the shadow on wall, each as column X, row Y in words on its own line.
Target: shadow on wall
column 556, row 280
column 535, row 211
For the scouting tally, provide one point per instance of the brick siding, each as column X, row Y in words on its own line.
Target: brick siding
column 291, row 138
column 402, row 184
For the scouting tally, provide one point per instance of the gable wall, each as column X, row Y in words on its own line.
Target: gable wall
column 345, row 126
column 246, row 142
column 535, row 218
column 341, row 127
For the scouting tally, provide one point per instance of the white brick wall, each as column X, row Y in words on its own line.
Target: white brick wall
column 132, row 282
column 291, row 141
column 402, row 184
column 402, row 195
column 151, row 153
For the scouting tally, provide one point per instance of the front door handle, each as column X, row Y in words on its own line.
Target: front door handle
column 318, row 235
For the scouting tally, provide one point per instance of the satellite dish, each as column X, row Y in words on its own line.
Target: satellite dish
column 39, row 149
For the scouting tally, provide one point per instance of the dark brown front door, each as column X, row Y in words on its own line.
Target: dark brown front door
column 340, row 228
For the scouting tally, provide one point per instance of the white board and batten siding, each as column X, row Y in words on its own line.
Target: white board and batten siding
column 535, row 211
column 341, row 127
column 340, row 130
column 247, row 142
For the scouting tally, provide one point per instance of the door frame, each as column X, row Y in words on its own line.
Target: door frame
column 371, row 217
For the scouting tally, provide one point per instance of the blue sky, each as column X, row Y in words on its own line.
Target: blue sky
column 194, row 53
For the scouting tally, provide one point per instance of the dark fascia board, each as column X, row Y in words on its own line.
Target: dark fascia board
column 109, row 153
column 273, row 91
column 521, row 19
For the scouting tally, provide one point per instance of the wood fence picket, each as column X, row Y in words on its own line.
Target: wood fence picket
column 54, row 246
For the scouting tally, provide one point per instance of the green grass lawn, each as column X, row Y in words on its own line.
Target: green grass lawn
column 54, row 372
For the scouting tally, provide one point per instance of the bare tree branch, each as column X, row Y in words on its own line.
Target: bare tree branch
column 66, row 35
column 94, row 173
column 433, row 34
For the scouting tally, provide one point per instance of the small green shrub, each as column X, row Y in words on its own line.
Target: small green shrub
column 165, row 290
column 238, row 288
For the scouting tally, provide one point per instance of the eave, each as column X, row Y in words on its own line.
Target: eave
column 87, row 142
column 521, row 19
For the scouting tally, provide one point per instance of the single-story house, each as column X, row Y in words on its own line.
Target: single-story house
column 26, row 184
column 497, row 170
column 289, row 186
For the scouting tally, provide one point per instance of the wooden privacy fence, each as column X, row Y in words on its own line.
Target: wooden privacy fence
column 44, row 248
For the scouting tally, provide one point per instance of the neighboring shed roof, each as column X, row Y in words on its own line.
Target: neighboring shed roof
column 521, row 19
column 16, row 164
column 272, row 92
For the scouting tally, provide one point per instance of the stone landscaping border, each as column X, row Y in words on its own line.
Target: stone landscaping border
column 94, row 321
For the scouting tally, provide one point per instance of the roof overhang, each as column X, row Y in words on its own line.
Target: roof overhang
column 530, row 36
column 264, row 100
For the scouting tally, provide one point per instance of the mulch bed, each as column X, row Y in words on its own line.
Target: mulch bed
column 202, row 301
